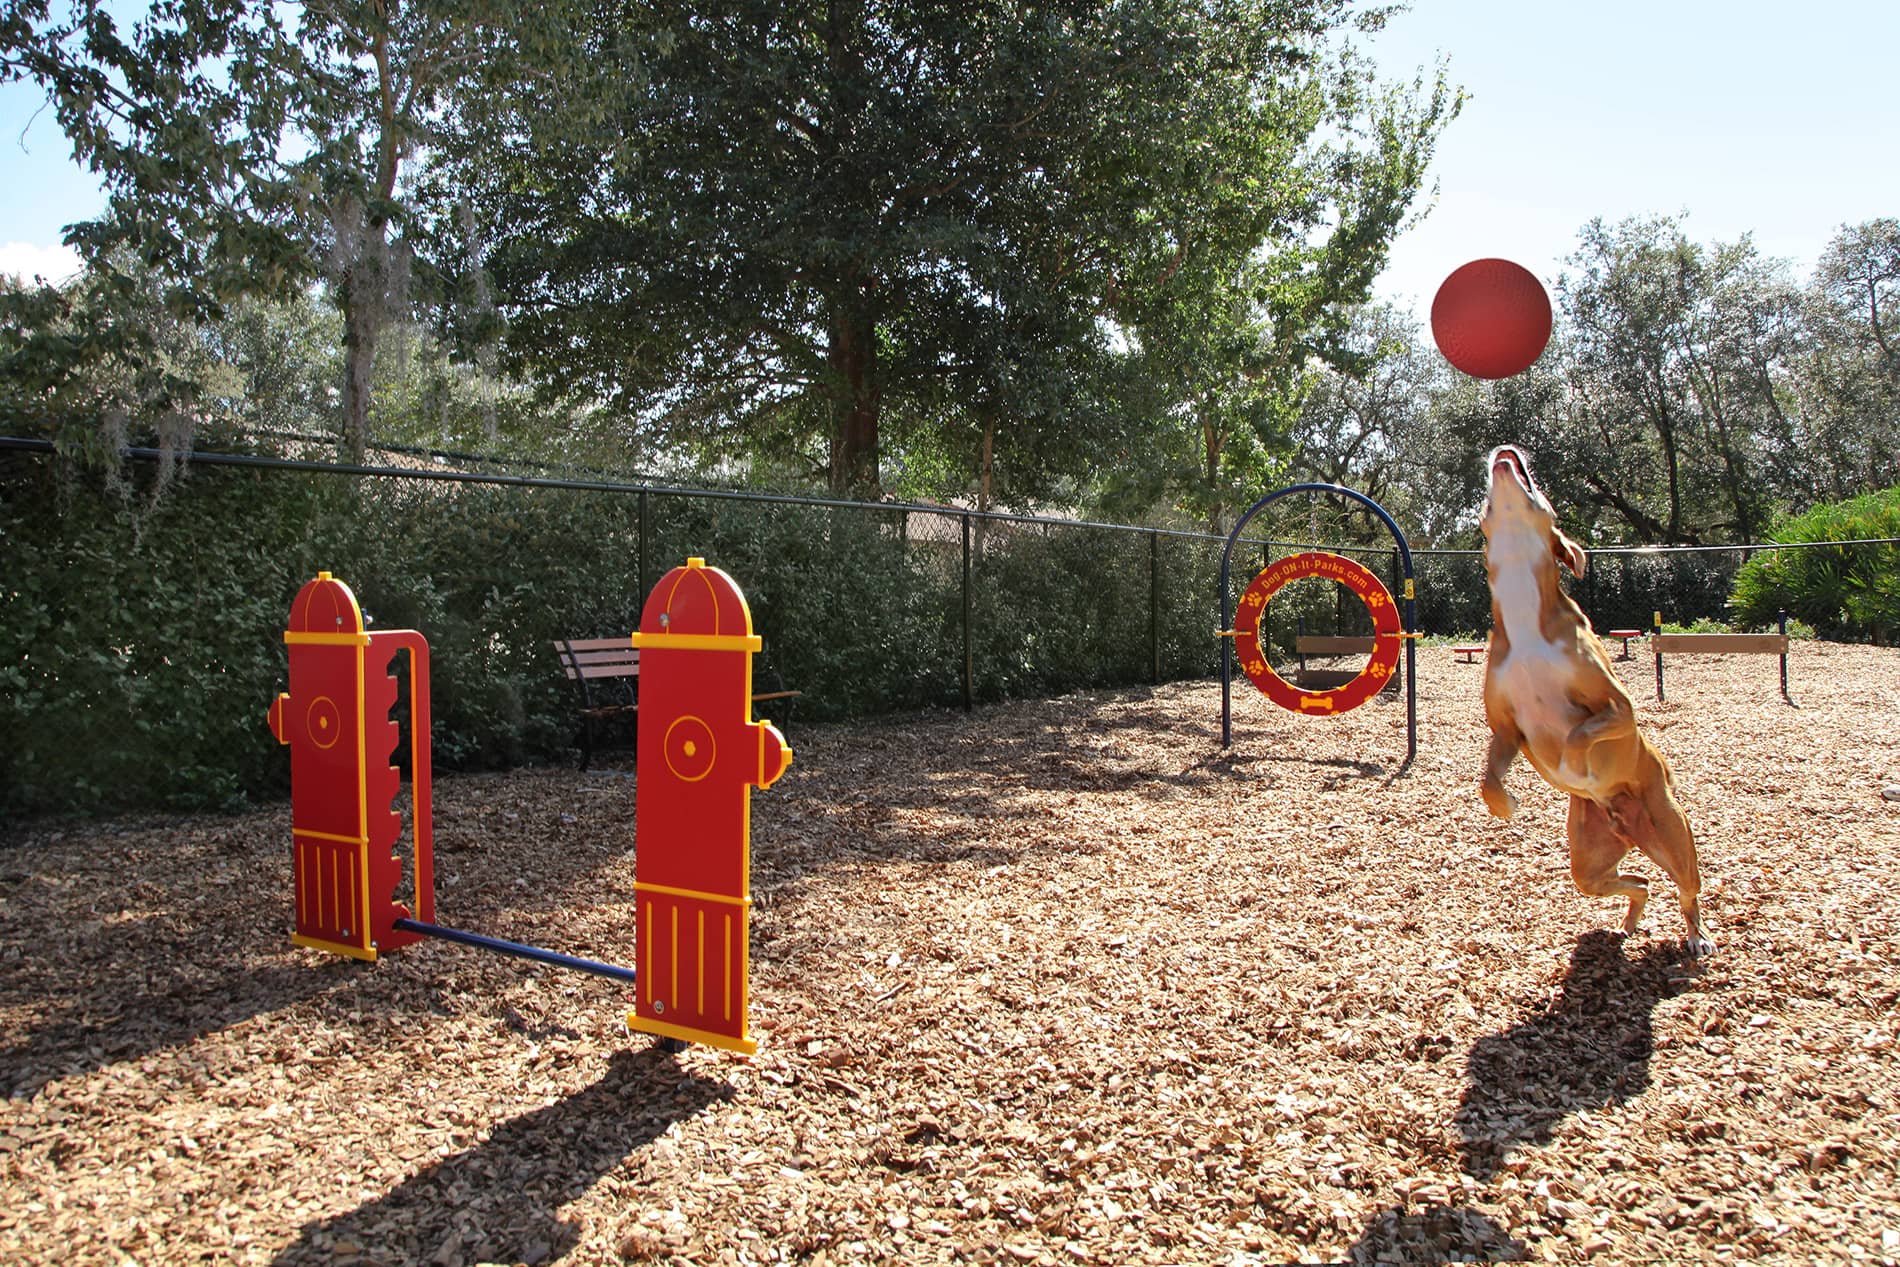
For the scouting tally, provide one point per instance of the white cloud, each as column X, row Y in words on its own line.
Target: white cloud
column 27, row 261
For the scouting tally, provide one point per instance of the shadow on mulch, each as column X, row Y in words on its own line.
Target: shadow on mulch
column 1589, row 1049
column 152, row 989
column 497, row 1201
column 1435, row 1234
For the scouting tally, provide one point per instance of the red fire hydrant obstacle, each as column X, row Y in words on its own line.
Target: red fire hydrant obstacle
column 701, row 755
column 336, row 720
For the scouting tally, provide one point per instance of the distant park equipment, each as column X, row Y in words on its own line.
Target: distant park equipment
column 692, row 810
column 1390, row 627
column 1383, row 646
column 1627, row 635
column 1775, row 644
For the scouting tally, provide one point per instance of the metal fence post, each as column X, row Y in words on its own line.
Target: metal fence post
column 1154, row 608
column 969, row 653
column 1659, row 681
column 640, row 565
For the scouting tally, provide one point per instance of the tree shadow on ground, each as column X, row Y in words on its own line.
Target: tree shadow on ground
column 1588, row 1049
column 147, row 988
column 1435, row 1234
column 499, row 1200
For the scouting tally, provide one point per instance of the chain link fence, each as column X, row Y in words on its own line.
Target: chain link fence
column 141, row 640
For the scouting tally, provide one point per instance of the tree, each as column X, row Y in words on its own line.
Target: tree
column 1678, row 363
column 1747, row 334
column 1847, row 434
column 780, row 224
column 1214, row 373
column 65, row 376
column 1629, row 305
column 1387, row 430
column 244, row 154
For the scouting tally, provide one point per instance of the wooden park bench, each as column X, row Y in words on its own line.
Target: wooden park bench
column 1775, row 644
column 1330, row 645
column 606, row 672
column 1467, row 654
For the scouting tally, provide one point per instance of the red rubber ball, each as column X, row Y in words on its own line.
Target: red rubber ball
column 1491, row 318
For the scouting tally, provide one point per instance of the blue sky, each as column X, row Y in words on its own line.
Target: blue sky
column 1778, row 120
column 1771, row 119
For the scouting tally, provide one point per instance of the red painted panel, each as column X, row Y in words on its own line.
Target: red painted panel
column 322, row 721
column 691, row 815
column 336, row 718
column 382, row 781
column 701, row 755
column 329, row 895
column 693, row 963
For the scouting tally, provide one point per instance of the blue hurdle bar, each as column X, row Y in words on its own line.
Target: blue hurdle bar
column 535, row 953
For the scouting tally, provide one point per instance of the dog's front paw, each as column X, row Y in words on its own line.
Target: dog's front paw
column 1699, row 946
column 1500, row 802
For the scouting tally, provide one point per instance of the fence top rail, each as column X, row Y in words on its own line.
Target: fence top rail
column 206, row 457
column 209, row 457
column 1666, row 550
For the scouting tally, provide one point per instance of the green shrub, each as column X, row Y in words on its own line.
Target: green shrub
column 1700, row 625
column 141, row 640
column 1847, row 591
column 133, row 652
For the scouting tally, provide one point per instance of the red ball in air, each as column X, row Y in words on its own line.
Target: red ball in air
column 1491, row 318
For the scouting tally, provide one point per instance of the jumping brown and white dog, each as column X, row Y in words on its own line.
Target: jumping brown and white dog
column 1549, row 693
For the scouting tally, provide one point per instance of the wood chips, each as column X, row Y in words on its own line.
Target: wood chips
column 1056, row 982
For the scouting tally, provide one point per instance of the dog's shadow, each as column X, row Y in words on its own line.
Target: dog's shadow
column 1588, row 1049
column 1435, row 1234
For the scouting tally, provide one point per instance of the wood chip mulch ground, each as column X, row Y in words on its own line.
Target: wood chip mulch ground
column 1053, row 982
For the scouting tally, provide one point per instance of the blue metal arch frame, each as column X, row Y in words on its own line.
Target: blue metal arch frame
column 1409, row 609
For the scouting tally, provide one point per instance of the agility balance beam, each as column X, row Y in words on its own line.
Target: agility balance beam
column 1775, row 644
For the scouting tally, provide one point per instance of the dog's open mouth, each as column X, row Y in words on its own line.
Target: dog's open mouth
column 1511, row 462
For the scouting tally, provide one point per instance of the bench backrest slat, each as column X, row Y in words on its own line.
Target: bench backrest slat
column 595, row 658
column 1326, row 644
column 1719, row 644
column 622, row 643
column 614, row 668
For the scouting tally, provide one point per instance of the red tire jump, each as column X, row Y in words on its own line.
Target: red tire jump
column 1385, row 634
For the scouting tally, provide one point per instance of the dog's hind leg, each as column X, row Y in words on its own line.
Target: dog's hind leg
column 1656, row 825
column 1497, row 759
column 1595, row 848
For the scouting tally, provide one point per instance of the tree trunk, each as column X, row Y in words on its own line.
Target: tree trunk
column 365, row 283
column 853, row 361
column 1211, row 439
column 985, row 484
column 986, row 467
column 362, row 287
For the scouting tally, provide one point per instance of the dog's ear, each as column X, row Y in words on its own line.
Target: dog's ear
column 1568, row 551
